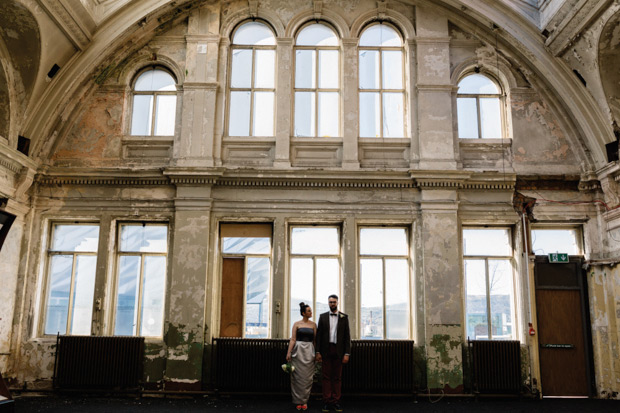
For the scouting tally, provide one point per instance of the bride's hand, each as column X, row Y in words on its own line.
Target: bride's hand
column 288, row 357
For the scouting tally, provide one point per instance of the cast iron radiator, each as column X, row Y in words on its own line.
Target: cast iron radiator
column 495, row 366
column 250, row 365
column 380, row 367
column 89, row 362
column 254, row 365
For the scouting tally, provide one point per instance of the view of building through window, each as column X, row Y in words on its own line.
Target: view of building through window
column 489, row 291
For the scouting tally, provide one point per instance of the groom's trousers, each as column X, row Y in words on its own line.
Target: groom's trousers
column 332, row 376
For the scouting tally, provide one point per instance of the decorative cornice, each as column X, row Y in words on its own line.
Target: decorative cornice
column 100, row 181
column 298, row 183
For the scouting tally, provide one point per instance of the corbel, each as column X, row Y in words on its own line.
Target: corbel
column 381, row 9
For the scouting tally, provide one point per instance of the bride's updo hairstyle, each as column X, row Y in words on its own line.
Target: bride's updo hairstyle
column 302, row 307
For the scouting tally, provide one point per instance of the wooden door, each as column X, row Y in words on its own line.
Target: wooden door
column 231, row 317
column 563, row 348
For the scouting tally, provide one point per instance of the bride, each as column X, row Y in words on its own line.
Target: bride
column 301, row 355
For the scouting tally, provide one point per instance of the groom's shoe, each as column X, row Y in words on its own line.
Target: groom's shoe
column 325, row 408
column 337, row 407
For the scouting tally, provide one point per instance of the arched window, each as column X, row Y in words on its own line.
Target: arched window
column 252, row 81
column 154, row 104
column 381, row 83
column 478, row 102
column 317, row 82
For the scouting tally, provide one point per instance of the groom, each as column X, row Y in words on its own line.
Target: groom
column 333, row 346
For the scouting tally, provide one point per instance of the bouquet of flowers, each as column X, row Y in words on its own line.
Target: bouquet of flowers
column 288, row 368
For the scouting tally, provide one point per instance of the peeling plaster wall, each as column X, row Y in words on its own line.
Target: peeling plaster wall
column 604, row 293
column 9, row 257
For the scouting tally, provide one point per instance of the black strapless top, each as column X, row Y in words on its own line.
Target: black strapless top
column 305, row 334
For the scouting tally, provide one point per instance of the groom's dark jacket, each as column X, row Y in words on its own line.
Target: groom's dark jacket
column 343, row 335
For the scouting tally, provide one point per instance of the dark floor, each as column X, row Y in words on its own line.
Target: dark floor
column 115, row 404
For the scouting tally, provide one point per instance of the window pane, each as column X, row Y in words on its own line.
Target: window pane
column 144, row 238
column 476, row 302
column 264, row 71
column 239, row 114
column 58, row 295
column 142, row 115
column 370, row 112
column 317, row 35
column 78, row 238
column 467, row 118
column 305, row 69
column 127, row 296
column 83, row 292
column 155, row 81
column 257, row 298
column 396, row 299
column 490, row 118
column 328, row 69
column 547, row 241
column 239, row 245
column 254, row 33
column 315, row 241
column 305, row 113
column 392, row 69
column 329, row 114
column 478, row 84
column 164, row 118
column 302, row 288
column 371, row 276
column 393, row 116
column 327, row 275
column 486, row 242
column 241, row 74
column 369, row 69
column 380, row 35
column 502, row 302
column 153, row 296
column 383, row 241
column 263, row 114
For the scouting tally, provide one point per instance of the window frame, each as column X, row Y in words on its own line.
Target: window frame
column 502, row 105
column 410, row 281
column 314, row 258
column 251, row 89
column 47, row 274
column 486, row 258
column 245, row 256
column 381, row 91
column 580, row 242
column 155, row 94
column 116, row 278
column 317, row 90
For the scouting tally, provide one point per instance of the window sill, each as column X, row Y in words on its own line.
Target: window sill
column 385, row 141
column 248, row 139
column 486, row 142
column 142, row 139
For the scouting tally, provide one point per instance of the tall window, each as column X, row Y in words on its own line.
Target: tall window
column 490, row 307
column 478, row 103
column 252, row 81
column 381, row 83
column 246, row 295
column 317, row 82
column 154, row 104
column 72, row 261
column 141, row 280
column 315, row 268
column 384, row 278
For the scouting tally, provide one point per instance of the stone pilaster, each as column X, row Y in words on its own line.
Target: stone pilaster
column 434, row 89
column 284, row 56
column 442, row 290
column 350, row 121
column 185, row 323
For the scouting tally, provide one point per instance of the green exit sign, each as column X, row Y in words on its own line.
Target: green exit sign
column 557, row 257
